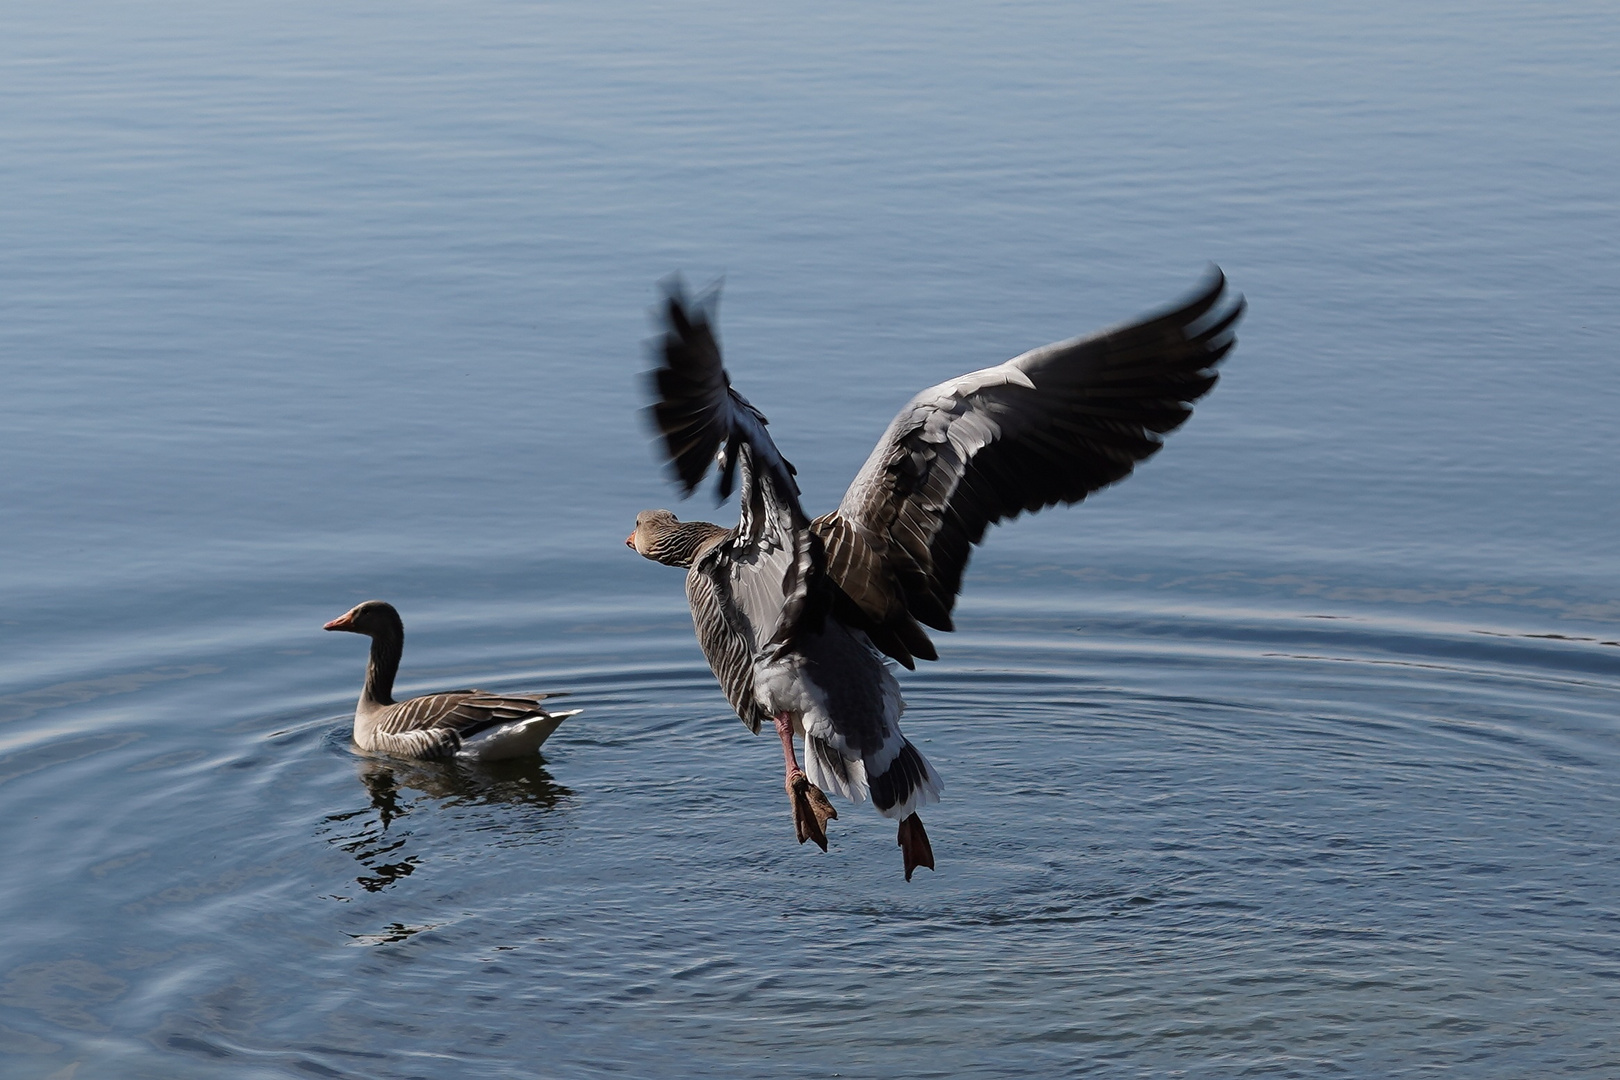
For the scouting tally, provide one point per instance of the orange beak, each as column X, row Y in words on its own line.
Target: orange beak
column 630, row 541
column 342, row 622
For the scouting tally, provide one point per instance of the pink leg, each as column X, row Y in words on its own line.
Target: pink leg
column 784, row 731
column 811, row 810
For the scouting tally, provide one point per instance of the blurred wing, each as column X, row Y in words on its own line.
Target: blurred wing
column 697, row 414
column 1050, row 426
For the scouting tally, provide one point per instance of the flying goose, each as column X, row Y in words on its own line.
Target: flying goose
column 795, row 616
column 467, row 724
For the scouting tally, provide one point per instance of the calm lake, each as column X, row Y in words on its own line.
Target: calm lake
column 1297, row 754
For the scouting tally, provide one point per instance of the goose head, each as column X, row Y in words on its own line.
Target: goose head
column 662, row 537
column 374, row 618
column 652, row 528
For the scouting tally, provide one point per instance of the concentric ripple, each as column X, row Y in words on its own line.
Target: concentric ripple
column 1221, row 842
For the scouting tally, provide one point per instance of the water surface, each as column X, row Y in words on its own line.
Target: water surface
column 1294, row 755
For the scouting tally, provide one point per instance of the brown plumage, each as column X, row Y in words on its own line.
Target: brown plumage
column 458, row 723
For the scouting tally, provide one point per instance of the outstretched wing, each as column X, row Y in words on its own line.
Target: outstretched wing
column 1050, row 426
column 699, row 417
column 751, row 592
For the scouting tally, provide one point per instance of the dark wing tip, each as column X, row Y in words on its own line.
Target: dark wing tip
column 1204, row 302
column 1212, row 310
column 682, row 381
column 683, row 311
column 1099, row 405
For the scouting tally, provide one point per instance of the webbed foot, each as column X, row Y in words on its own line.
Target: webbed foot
column 914, row 846
column 811, row 810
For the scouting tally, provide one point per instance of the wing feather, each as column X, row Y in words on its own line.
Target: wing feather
column 695, row 411
column 752, row 592
column 436, row 725
column 1049, row 426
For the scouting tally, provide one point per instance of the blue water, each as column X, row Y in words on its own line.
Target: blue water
column 1294, row 755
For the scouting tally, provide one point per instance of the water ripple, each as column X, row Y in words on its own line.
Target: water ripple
column 1163, row 839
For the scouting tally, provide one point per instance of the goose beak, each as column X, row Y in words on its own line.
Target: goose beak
column 630, row 541
column 342, row 622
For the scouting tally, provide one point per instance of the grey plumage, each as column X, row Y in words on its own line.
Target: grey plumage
column 1050, row 426
column 792, row 613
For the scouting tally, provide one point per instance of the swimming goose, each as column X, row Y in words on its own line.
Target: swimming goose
column 795, row 616
column 468, row 724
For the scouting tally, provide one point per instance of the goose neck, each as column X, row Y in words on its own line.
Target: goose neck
column 382, row 667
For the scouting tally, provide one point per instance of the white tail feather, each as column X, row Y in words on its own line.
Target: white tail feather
column 517, row 739
column 831, row 771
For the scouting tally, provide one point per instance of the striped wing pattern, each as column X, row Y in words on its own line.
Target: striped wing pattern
column 751, row 592
column 437, row 725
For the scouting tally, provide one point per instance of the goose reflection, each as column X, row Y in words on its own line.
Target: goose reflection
column 522, row 781
column 397, row 789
